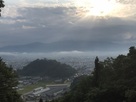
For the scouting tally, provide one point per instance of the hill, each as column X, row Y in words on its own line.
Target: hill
column 50, row 68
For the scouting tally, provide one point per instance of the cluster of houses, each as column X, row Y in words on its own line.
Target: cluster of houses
column 51, row 91
column 27, row 80
column 47, row 94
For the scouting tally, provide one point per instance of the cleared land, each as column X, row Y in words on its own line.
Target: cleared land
column 29, row 88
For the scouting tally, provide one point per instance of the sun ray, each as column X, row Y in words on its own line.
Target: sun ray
column 98, row 7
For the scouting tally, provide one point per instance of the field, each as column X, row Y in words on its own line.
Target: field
column 29, row 88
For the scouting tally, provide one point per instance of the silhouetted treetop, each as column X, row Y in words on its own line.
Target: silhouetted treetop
column 50, row 68
column 1, row 5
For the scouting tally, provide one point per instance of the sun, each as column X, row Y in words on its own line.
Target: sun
column 98, row 7
column 101, row 7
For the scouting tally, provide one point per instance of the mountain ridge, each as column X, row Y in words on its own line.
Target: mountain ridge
column 62, row 46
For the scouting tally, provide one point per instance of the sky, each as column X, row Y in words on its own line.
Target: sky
column 109, row 25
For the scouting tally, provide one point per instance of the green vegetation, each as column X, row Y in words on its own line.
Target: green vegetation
column 113, row 80
column 8, row 82
column 50, row 68
column 29, row 88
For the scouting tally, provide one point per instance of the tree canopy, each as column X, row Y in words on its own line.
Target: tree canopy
column 1, row 5
column 116, row 82
column 50, row 68
column 8, row 82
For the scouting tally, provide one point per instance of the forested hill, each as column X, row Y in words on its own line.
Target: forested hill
column 50, row 68
column 113, row 80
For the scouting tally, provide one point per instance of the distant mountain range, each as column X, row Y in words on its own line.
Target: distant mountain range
column 63, row 46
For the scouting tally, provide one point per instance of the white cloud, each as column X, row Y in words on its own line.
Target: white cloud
column 7, row 21
column 11, row 21
column 127, row 1
column 28, row 27
column 11, row 11
column 128, row 36
column 123, row 8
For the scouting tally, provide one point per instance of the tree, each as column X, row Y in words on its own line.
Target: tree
column 113, row 80
column 1, row 5
column 96, row 71
column 8, row 82
column 41, row 100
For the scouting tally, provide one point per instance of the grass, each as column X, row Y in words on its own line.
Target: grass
column 33, row 86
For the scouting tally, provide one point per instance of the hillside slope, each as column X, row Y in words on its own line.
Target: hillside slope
column 50, row 68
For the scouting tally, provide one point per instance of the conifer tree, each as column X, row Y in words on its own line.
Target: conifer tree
column 8, row 82
column 96, row 72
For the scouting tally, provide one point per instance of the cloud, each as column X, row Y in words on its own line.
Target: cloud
column 11, row 11
column 126, row 1
column 38, row 22
column 28, row 27
column 53, row 55
column 11, row 21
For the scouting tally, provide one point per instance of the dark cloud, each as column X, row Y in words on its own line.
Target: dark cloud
column 62, row 26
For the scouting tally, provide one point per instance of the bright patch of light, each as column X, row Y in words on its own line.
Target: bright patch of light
column 102, row 7
column 98, row 7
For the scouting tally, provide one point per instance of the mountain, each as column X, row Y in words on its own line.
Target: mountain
column 32, row 47
column 64, row 46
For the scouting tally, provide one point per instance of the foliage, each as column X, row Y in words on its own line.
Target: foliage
column 116, row 82
column 50, row 68
column 1, row 5
column 8, row 82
